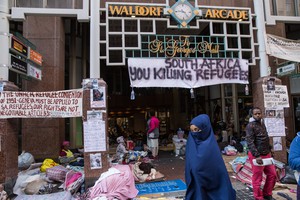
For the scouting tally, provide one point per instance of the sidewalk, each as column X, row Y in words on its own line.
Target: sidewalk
column 172, row 167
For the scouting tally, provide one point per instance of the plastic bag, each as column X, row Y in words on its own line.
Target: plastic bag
column 47, row 164
column 25, row 160
column 289, row 177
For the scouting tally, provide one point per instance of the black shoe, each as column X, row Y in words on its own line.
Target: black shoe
column 284, row 195
column 268, row 197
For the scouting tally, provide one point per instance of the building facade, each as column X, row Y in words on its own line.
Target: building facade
column 87, row 39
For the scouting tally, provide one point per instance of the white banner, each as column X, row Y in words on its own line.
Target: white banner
column 55, row 104
column 283, row 48
column 186, row 73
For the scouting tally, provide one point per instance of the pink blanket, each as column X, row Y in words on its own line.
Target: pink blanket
column 117, row 185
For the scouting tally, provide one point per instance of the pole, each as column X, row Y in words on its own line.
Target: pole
column 94, row 39
column 261, row 30
column 4, row 40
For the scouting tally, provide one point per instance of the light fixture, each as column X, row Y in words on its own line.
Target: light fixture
column 246, row 89
column 192, row 93
column 132, row 95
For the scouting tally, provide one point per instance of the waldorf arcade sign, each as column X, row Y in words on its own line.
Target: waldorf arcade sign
column 160, row 11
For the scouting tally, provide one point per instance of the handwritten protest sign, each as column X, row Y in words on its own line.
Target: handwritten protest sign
column 61, row 104
column 277, row 98
column 186, row 73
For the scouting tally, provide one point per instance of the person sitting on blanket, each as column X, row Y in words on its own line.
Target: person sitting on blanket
column 121, row 149
column 143, row 171
column 67, row 156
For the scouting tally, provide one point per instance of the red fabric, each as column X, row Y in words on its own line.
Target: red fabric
column 258, row 172
column 154, row 123
column 74, row 176
column 245, row 174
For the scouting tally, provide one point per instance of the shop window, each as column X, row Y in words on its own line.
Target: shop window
column 115, row 40
column 232, row 42
column 102, row 16
column 248, row 55
column 246, row 43
column 296, row 103
column 244, row 29
column 131, row 40
column 145, row 54
column 228, row 90
column 131, row 25
column 115, row 56
column 146, row 26
column 102, row 49
column 115, row 25
column 103, row 33
column 218, row 28
column 231, row 28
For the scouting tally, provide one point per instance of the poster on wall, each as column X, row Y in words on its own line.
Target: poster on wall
column 98, row 97
column 94, row 132
column 276, row 98
column 186, row 73
column 275, row 126
column 95, row 161
column 277, row 144
column 51, row 104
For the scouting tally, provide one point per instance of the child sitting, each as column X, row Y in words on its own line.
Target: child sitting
column 121, row 149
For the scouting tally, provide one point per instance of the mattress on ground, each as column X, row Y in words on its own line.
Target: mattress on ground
column 170, row 188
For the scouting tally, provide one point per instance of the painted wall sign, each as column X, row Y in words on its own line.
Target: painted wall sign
column 139, row 11
column 186, row 73
column 182, row 45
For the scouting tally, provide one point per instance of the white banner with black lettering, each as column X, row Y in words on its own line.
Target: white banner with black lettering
column 186, row 73
column 283, row 48
column 51, row 104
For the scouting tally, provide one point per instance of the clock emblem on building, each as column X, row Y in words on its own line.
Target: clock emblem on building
column 183, row 12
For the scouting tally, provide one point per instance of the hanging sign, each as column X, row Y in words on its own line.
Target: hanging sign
column 282, row 48
column 186, row 73
column 34, row 72
column 18, row 65
column 36, row 57
column 18, row 47
column 54, row 104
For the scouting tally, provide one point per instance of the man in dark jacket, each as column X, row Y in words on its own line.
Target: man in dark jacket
column 259, row 148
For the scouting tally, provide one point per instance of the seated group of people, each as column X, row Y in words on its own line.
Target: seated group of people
column 66, row 156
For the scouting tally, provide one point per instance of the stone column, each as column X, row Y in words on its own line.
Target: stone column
column 92, row 173
column 8, row 142
column 258, row 101
column 42, row 137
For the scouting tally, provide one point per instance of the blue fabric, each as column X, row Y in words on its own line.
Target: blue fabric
column 294, row 154
column 205, row 172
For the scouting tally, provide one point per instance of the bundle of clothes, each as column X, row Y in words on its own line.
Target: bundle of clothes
column 119, row 182
column 125, row 156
